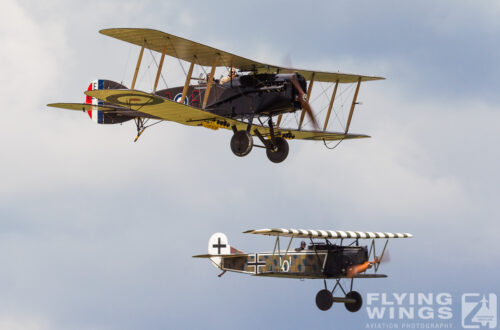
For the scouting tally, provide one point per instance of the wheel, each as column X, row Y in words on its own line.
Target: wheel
column 281, row 151
column 324, row 300
column 354, row 307
column 241, row 143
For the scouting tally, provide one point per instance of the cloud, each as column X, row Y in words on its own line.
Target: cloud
column 97, row 231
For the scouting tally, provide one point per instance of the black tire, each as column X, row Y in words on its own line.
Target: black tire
column 241, row 143
column 324, row 300
column 354, row 307
column 281, row 152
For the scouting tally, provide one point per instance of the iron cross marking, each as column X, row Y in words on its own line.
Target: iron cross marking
column 256, row 263
column 218, row 246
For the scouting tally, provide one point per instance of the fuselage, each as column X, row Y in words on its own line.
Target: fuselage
column 331, row 261
column 243, row 96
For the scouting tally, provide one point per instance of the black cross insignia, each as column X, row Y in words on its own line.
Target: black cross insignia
column 256, row 263
column 218, row 246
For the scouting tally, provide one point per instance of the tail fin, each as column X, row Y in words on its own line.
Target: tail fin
column 219, row 245
column 95, row 114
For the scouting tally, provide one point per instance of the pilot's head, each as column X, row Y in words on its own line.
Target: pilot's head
column 303, row 245
column 233, row 72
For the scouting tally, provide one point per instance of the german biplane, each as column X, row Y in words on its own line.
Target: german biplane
column 251, row 101
column 330, row 254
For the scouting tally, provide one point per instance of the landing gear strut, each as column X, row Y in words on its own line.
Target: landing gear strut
column 352, row 300
column 139, row 123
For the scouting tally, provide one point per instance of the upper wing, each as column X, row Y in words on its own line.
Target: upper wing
column 326, row 233
column 190, row 51
column 166, row 109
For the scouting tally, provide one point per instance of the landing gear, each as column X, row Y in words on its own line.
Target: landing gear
column 276, row 146
column 241, row 143
column 139, row 123
column 279, row 152
column 324, row 300
column 356, row 305
column 352, row 300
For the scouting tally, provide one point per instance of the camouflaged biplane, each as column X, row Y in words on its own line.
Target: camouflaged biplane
column 323, row 259
column 245, row 102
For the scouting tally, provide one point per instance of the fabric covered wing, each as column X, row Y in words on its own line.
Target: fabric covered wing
column 190, row 51
column 166, row 109
column 309, row 233
column 313, row 276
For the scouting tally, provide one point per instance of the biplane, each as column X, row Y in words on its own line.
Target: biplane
column 335, row 255
column 251, row 101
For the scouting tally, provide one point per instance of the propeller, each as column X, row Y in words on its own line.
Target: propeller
column 386, row 257
column 356, row 269
column 304, row 102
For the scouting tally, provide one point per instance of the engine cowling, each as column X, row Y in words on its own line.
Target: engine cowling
column 98, row 116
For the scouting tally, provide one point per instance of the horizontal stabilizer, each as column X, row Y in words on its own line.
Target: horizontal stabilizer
column 207, row 256
column 82, row 106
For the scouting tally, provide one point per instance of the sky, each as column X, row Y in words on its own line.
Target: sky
column 97, row 232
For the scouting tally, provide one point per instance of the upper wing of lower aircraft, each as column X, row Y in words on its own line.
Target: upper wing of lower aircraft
column 167, row 109
column 308, row 233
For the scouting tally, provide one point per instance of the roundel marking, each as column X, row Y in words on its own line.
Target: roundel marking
column 131, row 99
column 178, row 97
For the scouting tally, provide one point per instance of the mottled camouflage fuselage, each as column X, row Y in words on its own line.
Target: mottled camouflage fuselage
column 305, row 263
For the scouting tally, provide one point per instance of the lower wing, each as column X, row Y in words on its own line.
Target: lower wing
column 165, row 109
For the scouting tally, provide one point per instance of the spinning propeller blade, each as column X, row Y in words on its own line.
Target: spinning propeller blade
column 357, row 269
column 386, row 257
column 304, row 102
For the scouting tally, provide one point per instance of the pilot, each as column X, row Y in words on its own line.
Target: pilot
column 228, row 78
column 302, row 246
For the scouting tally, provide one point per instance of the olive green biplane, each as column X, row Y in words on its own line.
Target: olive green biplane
column 251, row 101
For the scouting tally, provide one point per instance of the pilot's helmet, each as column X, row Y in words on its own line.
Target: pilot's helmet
column 303, row 244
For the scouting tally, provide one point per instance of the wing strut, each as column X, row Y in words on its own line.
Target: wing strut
column 332, row 100
column 186, row 84
column 353, row 105
column 279, row 121
column 210, row 82
column 138, row 66
column 309, row 90
column 158, row 74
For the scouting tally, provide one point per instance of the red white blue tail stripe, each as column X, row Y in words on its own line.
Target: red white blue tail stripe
column 94, row 114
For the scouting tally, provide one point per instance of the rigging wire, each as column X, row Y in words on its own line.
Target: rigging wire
column 157, row 67
column 177, row 56
column 126, row 64
column 147, row 71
